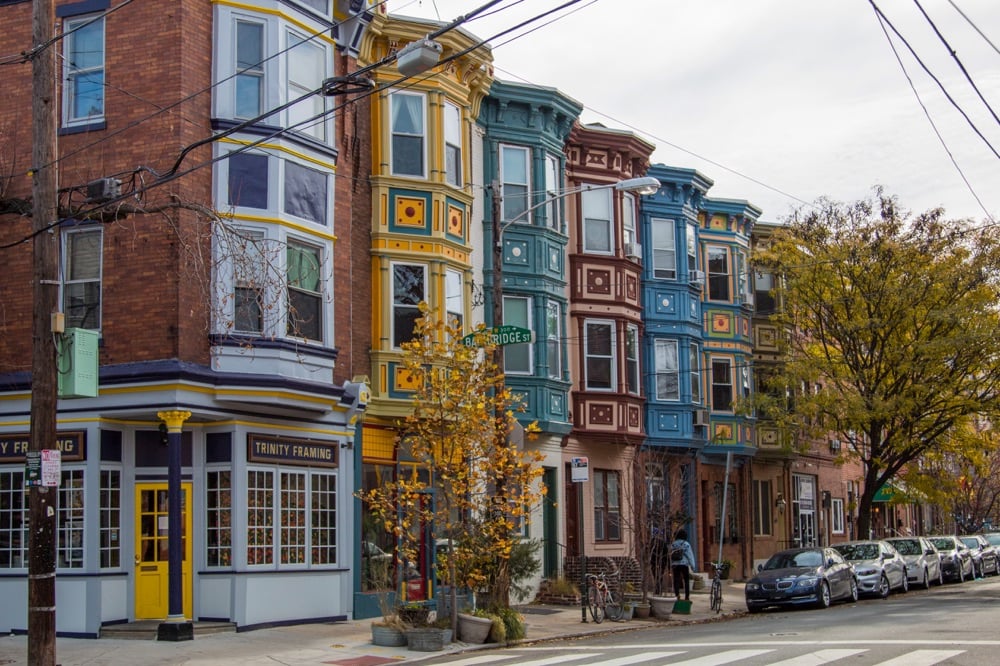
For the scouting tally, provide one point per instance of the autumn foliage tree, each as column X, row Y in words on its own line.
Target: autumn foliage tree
column 891, row 324
column 457, row 436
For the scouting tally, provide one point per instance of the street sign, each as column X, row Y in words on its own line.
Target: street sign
column 502, row 335
column 580, row 470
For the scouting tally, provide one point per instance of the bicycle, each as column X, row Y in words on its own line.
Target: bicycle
column 601, row 600
column 716, row 593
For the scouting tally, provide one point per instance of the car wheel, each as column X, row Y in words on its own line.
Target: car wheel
column 855, row 592
column 961, row 573
column 823, row 597
column 940, row 576
column 905, row 587
column 927, row 580
column 883, row 587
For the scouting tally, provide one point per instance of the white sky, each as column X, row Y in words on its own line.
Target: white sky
column 803, row 96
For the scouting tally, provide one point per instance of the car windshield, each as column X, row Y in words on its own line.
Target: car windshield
column 994, row 539
column 805, row 558
column 943, row 544
column 971, row 542
column 907, row 546
column 858, row 551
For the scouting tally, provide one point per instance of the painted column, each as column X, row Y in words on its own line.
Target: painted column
column 177, row 627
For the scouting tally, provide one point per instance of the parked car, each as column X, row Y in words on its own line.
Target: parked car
column 985, row 559
column 956, row 560
column 879, row 568
column 923, row 561
column 802, row 576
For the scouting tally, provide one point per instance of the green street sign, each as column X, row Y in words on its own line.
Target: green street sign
column 502, row 335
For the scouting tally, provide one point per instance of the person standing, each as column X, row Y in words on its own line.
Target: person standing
column 681, row 564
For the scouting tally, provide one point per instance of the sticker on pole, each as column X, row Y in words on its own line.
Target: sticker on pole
column 580, row 470
column 51, row 467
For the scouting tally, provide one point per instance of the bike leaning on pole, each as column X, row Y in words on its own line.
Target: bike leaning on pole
column 601, row 600
column 716, row 593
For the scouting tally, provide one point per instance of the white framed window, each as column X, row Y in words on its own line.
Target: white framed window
column 722, row 385
column 718, row 273
column 599, row 356
column 517, row 358
column 553, row 193
column 632, row 359
column 695, row 372
column 598, row 236
column 13, row 520
column 409, row 288
column 553, row 338
column 69, row 523
column 306, row 70
column 667, row 370
column 83, row 70
column 454, row 296
column 246, row 250
column 515, row 176
column 607, row 505
column 250, row 82
column 306, row 192
column 321, row 7
column 408, row 132
column 761, row 508
column 110, row 533
column 744, row 287
column 218, row 518
column 81, row 271
column 692, row 247
column 628, row 221
column 837, row 515
column 291, row 517
column 305, row 298
column 763, row 292
column 664, row 248
column 247, row 180
column 453, row 144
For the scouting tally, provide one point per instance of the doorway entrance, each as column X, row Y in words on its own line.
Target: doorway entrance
column 152, row 548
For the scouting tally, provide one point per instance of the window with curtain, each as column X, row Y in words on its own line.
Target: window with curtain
column 249, row 68
column 409, row 288
column 553, row 193
column 664, row 248
column 718, row 273
column 408, row 130
column 82, row 259
column 453, row 144
column 306, row 192
column 306, row 71
column 598, row 236
column 553, row 339
column 599, row 356
column 247, row 180
column 667, row 370
column 722, row 385
column 305, row 312
column 607, row 506
column 517, row 312
column 632, row 359
column 515, row 175
column 83, row 78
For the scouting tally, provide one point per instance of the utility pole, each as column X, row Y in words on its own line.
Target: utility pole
column 43, row 501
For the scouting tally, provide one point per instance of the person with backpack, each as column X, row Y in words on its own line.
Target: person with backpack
column 681, row 564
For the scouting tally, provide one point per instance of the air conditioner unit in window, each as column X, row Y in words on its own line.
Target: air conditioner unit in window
column 700, row 417
column 834, row 445
column 698, row 277
column 633, row 251
column 103, row 189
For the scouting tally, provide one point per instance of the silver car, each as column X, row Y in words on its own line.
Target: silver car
column 879, row 568
column 923, row 561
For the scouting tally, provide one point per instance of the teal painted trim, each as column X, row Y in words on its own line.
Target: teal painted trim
column 405, row 395
column 466, row 219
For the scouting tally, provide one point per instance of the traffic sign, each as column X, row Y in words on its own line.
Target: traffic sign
column 502, row 335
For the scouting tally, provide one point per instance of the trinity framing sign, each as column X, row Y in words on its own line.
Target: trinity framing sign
column 291, row 451
column 71, row 445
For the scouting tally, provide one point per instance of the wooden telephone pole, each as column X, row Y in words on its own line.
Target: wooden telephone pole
column 45, row 293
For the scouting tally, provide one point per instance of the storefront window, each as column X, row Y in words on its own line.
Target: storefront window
column 260, row 517
column 70, row 526
column 219, row 519
column 13, row 501
column 305, row 531
column 111, row 496
column 293, row 518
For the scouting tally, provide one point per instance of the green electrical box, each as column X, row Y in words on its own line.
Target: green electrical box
column 78, row 356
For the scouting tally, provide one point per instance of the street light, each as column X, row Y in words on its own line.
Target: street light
column 644, row 186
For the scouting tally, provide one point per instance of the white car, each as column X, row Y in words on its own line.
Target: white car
column 879, row 568
column 923, row 561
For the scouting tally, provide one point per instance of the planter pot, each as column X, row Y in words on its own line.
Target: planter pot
column 416, row 617
column 661, row 606
column 384, row 636
column 628, row 609
column 473, row 629
column 642, row 610
column 426, row 639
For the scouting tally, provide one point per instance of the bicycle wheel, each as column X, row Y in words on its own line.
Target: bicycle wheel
column 595, row 604
column 612, row 608
column 716, row 595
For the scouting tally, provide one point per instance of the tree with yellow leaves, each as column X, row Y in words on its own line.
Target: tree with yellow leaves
column 472, row 486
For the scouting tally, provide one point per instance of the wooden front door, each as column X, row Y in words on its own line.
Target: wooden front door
column 152, row 548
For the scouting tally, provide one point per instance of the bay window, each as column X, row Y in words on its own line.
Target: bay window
column 667, row 370
column 409, row 288
column 454, row 297
column 517, row 312
column 598, row 236
column 632, row 359
column 695, row 373
column 306, row 63
column 306, row 192
column 515, row 178
column 664, row 249
column 408, row 131
column 599, row 356
column 692, row 248
column 304, row 311
column 452, row 144
column 628, row 224
column 250, row 84
column 553, row 339
column 722, row 385
column 718, row 273
column 553, row 194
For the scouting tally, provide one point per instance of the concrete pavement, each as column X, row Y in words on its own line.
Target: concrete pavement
column 340, row 643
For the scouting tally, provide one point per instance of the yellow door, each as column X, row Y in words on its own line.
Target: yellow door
column 151, row 551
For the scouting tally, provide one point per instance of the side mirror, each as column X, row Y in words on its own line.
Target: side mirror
column 760, row 567
column 829, row 563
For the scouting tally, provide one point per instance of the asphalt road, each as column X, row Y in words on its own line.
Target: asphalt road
column 954, row 624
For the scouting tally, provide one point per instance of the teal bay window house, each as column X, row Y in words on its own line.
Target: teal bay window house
column 525, row 129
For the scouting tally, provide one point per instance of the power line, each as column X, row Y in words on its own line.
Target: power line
column 974, row 26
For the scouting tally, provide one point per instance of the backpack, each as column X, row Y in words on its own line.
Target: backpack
column 677, row 555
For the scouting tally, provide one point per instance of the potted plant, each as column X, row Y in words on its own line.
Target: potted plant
column 725, row 566
column 414, row 614
column 387, row 632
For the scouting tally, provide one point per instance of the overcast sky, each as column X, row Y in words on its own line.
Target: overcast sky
column 778, row 101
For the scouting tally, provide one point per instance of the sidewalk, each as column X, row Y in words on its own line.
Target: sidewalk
column 340, row 643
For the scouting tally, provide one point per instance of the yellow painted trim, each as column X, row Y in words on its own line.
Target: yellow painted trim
column 330, row 166
column 174, row 419
column 274, row 12
column 277, row 221
column 149, row 388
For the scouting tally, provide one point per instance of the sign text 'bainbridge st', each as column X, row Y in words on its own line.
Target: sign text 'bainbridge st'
column 501, row 335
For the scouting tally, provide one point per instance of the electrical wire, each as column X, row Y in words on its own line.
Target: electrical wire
column 974, row 26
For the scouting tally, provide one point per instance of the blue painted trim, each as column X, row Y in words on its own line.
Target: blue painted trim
column 83, row 7
column 290, row 623
column 80, row 129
